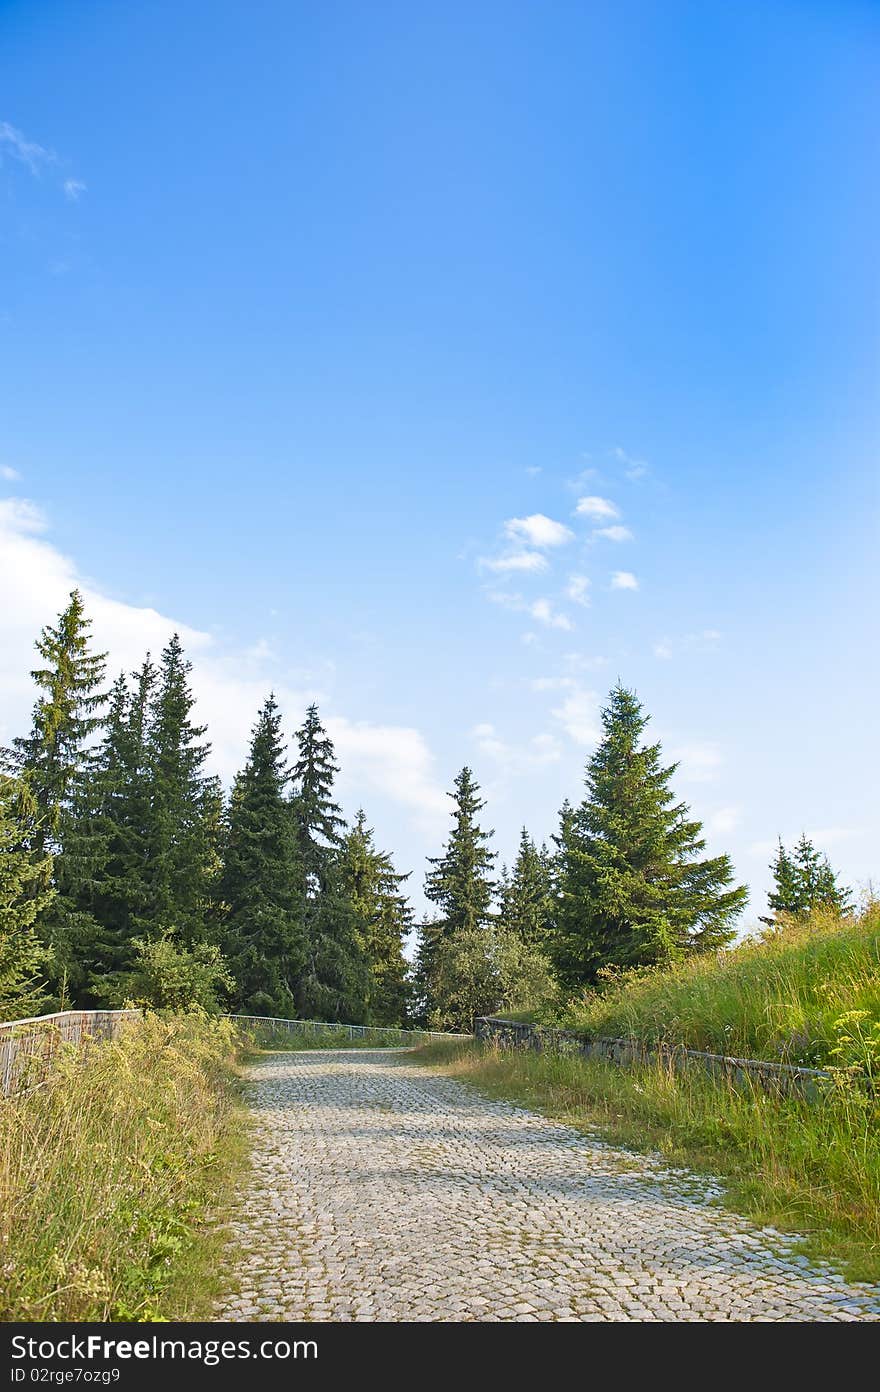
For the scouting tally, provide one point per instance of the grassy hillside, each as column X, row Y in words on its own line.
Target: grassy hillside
column 110, row 1172
column 801, row 995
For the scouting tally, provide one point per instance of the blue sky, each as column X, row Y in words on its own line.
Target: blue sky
column 369, row 343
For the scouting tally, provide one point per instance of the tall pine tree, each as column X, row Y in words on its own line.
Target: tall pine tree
column 64, row 718
column 25, row 893
column 525, row 903
column 633, row 887
column 183, row 819
column 262, row 882
column 457, row 971
column 334, row 983
column 383, row 918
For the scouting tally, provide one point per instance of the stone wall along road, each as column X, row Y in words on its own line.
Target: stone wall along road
column 383, row 1191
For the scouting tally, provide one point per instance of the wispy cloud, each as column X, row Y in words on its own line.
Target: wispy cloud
column 539, row 609
column 529, row 561
column 699, row 760
column 8, row 474
column 535, row 753
column 616, row 533
column 706, row 640
column 579, row 716
column 73, row 188
column 598, row 508
column 723, row 820
column 578, row 589
column 624, row 580
column 634, row 469
column 538, row 530
column 26, row 151
column 663, row 650
column 534, row 469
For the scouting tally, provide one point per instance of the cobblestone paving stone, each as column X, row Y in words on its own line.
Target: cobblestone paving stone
column 383, row 1191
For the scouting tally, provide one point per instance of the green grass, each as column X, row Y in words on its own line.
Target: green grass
column 812, row 1169
column 790, row 997
column 113, row 1172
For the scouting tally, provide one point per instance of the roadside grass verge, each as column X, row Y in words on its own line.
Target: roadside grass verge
column 113, row 1173
column 806, row 1168
column 330, row 1037
column 795, row 996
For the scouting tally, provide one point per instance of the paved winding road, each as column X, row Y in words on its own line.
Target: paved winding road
column 383, row 1191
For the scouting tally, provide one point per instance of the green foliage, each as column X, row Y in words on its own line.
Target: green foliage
column 383, row 919
column 262, row 883
column 779, row 997
column 25, row 893
column 526, row 905
column 335, row 980
column 183, row 817
column 632, row 886
column 803, row 881
column 169, row 976
column 64, row 717
column 112, row 1174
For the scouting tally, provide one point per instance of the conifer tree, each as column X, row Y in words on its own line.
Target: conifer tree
column 183, row 818
column 334, row 982
column 64, row 717
column 262, row 880
column 803, row 880
column 456, row 970
column 633, row 888
column 25, row 893
column 383, row 918
column 525, row 907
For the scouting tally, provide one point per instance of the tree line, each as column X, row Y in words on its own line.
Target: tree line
column 126, row 875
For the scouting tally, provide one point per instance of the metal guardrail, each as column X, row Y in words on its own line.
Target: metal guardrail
column 28, row 1046
column 317, row 1028
column 785, row 1079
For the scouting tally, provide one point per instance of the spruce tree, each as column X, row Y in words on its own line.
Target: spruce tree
column 262, row 880
column 334, row 983
column 183, row 817
column 525, row 906
column 633, row 888
column 25, row 893
column 64, row 718
column 383, row 918
column 456, row 970
column 803, row 880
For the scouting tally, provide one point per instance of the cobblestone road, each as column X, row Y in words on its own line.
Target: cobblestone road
column 382, row 1191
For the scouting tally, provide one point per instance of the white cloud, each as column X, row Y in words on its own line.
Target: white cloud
column 705, row 641
column 579, row 716
column 229, row 685
column 624, row 580
column 529, row 561
column 533, row 470
column 552, row 683
column 543, row 611
column 615, row 533
column 540, row 609
column 8, row 474
column 633, row 468
column 663, row 650
column 700, row 760
column 538, row 530
column 580, row 662
column 536, row 753
column 73, row 188
column 598, row 508
column 723, row 820
column 578, row 590
column 26, row 151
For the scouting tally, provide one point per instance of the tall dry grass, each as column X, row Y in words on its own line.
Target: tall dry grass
column 109, row 1172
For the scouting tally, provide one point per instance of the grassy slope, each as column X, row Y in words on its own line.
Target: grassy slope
column 111, row 1171
column 782, row 998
